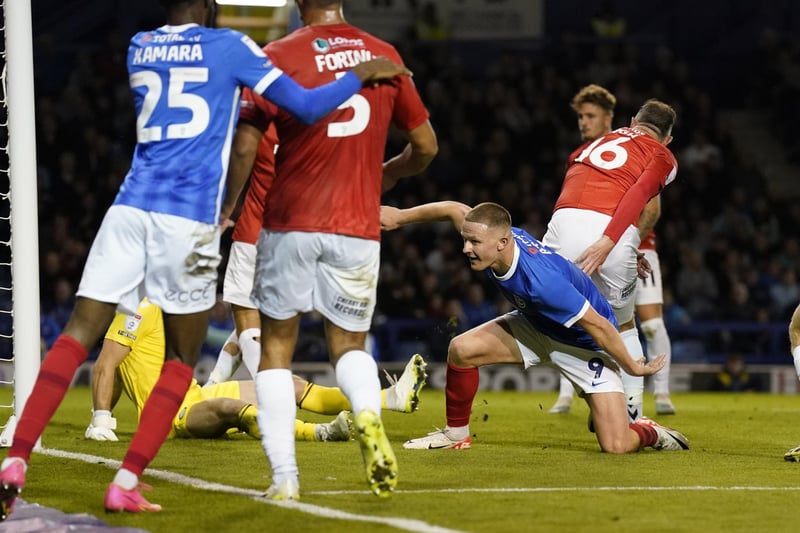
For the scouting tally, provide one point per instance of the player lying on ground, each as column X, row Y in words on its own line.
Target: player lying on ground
column 561, row 320
column 402, row 395
column 131, row 361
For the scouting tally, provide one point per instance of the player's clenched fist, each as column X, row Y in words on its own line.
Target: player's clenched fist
column 378, row 69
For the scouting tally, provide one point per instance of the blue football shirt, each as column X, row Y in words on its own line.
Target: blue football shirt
column 551, row 291
column 186, row 84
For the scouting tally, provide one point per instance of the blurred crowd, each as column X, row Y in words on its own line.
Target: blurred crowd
column 729, row 251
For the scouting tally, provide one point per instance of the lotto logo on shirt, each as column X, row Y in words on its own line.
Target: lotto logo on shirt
column 320, row 45
column 323, row 46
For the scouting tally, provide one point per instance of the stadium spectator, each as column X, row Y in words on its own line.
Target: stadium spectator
column 561, row 320
column 786, row 293
column 161, row 236
column 734, row 376
column 322, row 250
column 695, row 285
column 475, row 307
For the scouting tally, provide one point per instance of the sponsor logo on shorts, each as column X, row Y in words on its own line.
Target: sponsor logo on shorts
column 182, row 413
column 627, row 291
column 350, row 307
column 595, row 383
column 193, row 296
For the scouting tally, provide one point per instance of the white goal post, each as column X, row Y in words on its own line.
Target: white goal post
column 18, row 97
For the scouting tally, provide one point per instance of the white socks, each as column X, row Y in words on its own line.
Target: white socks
column 633, row 385
column 8, row 460
column 357, row 376
column 251, row 349
column 126, row 479
column 276, row 415
column 226, row 363
column 657, row 343
column 565, row 388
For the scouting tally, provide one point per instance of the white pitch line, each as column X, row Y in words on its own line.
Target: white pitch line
column 257, row 495
column 489, row 490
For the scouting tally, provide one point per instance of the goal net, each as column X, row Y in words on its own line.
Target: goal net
column 19, row 234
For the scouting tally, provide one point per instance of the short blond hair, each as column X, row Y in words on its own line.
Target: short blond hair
column 489, row 213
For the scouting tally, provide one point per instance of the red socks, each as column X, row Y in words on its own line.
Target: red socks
column 460, row 390
column 647, row 435
column 55, row 376
column 157, row 414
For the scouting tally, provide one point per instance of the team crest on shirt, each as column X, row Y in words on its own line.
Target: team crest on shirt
column 320, row 45
column 132, row 322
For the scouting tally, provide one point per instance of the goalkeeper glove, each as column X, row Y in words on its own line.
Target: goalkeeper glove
column 102, row 426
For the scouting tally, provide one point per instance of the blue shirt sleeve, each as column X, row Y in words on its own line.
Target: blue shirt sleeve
column 559, row 299
column 310, row 105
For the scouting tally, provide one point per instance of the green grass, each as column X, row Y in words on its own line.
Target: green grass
column 733, row 479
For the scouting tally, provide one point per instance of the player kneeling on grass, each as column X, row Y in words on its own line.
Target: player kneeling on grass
column 561, row 320
column 131, row 361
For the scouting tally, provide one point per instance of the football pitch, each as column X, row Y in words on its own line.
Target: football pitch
column 526, row 471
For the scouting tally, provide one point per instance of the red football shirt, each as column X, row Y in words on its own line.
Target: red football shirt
column 254, row 110
column 329, row 174
column 617, row 174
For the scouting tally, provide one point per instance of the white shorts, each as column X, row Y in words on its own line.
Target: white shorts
column 571, row 231
column 590, row 371
column 336, row 275
column 648, row 291
column 171, row 260
column 238, row 282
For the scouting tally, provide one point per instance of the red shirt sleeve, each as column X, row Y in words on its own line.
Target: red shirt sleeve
column 256, row 110
column 409, row 111
column 657, row 174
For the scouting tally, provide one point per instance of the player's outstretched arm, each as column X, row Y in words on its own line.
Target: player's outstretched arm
column 392, row 217
column 607, row 337
column 310, row 105
column 422, row 147
column 105, row 393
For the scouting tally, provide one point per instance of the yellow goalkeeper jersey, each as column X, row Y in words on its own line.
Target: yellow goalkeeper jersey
column 143, row 333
